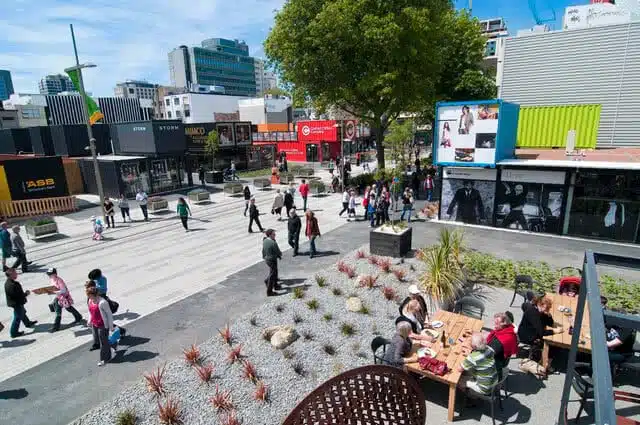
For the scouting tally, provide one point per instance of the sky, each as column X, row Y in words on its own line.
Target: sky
column 130, row 39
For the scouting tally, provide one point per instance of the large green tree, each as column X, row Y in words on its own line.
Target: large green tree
column 371, row 58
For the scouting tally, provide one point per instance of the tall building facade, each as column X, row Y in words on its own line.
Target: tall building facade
column 68, row 109
column 495, row 31
column 258, row 65
column 54, row 84
column 6, row 85
column 218, row 62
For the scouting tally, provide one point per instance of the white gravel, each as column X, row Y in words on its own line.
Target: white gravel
column 286, row 388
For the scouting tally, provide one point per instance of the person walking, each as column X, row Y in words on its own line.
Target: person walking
column 407, row 204
column 62, row 300
column 98, row 228
column 234, row 176
column 183, row 212
column 5, row 240
column 386, row 195
column 371, row 209
column 201, row 175
column 428, row 187
column 101, row 321
column 395, row 193
column 109, row 212
column 143, row 199
column 304, row 192
column 254, row 216
column 271, row 254
column 294, row 225
column 19, row 250
column 345, row 202
column 16, row 299
column 415, row 183
column 288, row 200
column 352, row 205
column 247, row 197
column 382, row 209
column 278, row 203
column 123, row 204
column 312, row 232
column 365, row 202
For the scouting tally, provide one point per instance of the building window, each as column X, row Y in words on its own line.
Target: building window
column 178, row 114
column 168, row 114
column 176, row 100
column 490, row 48
column 131, row 91
column 187, row 113
column 168, row 102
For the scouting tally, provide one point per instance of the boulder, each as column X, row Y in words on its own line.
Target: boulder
column 354, row 304
column 281, row 336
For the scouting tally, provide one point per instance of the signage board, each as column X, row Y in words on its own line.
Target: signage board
column 592, row 15
column 135, row 138
column 533, row 176
column 314, row 131
column 469, row 173
column 349, row 129
column 243, row 133
column 169, row 137
column 196, row 135
column 36, row 178
column 225, row 135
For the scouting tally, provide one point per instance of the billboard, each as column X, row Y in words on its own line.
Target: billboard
column 468, row 195
column 225, row 134
column 36, row 178
column 243, row 133
column 592, row 15
column 197, row 134
column 315, row 131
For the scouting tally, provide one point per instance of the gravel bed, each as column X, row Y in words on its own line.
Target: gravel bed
column 286, row 388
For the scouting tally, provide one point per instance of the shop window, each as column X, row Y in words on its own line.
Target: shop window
column 134, row 176
column 165, row 174
column 178, row 114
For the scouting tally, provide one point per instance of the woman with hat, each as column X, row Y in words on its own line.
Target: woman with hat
column 415, row 294
column 62, row 300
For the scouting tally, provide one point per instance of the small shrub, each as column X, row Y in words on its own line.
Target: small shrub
column 373, row 260
column 249, row 371
column 321, row 281
column 389, row 293
column 364, row 310
column 347, row 329
column 307, row 335
column 280, row 308
column 170, row 412
column 384, row 264
column 329, row 349
column 127, row 417
column 297, row 319
column 288, row 354
column 299, row 369
column 341, row 266
column 262, row 392
column 225, row 334
column 253, row 321
column 155, row 382
column 328, row 317
column 313, row 304
column 192, row 355
column 298, row 292
column 367, row 281
column 230, row 418
column 360, row 254
column 205, row 372
column 235, row 354
column 221, row 400
column 400, row 274
column 336, row 291
column 350, row 272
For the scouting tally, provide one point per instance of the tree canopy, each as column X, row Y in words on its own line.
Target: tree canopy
column 374, row 58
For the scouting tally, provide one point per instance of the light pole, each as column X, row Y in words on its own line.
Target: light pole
column 92, row 142
column 341, row 169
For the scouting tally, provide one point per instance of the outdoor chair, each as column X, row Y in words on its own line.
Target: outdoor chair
column 375, row 346
column 523, row 285
column 583, row 386
column 492, row 396
column 470, row 307
column 633, row 361
column 366, row 395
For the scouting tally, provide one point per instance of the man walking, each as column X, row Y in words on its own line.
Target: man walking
column 254, row 215
column 201, row 175
column 345, row 202
column 304, row 192
column 16, row 299
column 19, row 250
column 5, row 240
column 294, row 225
column 271, row 254
column 142, row 199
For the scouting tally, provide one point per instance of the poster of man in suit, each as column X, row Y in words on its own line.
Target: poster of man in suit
column 467, row 201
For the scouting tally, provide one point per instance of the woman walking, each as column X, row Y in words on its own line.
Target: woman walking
column 183, row 212
column 312, row 232
column 101, row 321
column 62, row 300
column 109, row 212
column 278, row 203
column 123, row 204
column 247, row 198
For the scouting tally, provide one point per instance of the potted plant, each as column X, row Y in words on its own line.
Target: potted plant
column 211, row 148
column 157, row 203
column 233, row 188
column 199, row 195
column 317, row 187
column 442, row 280
column 42, row 227
column 262, row 183
column 391, row 239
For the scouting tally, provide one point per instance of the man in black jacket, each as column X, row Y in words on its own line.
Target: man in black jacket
column 469, row 202
column 294, row 226
column 254, row 215
column 16, row 299
column 288, row 199
column 271, row 254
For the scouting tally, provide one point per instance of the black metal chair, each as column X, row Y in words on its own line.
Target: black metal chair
column 470, row 307
column 375, row 346
column 523, row 285
column 493, row 395
column 582, row 385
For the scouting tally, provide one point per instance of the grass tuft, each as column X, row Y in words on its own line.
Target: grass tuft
column 336, row 291
column 307, row 335
column 329, row 349
column 222, row 401
column 253, row 321
column 389, row 293
column 384, row 264
column 373, row 260
column 360, row 254
column 229, row 418
column 205, row 372
column 297, row 318
column 127, row 417
column 400, row 274
column 225, row 334
column 192, row 355
column 249, row 371
column 313, row 304
column 235, row 354
column 299, row 369
column 280, row 308
column 364, row 310
column 367, row 281
column 347, row 329
column 288, row 354
column 170, row 412
column 327, row 317
column 321, row 281
column 298, row 292
column 262, row 392
column 155, row 382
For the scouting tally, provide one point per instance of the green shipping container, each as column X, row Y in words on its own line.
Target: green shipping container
column 547, row 126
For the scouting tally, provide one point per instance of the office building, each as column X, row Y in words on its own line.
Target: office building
column 63, row 110
column 30, row 109
column 201, row 107
column 218, row 62
column 145, row 92
column 162, row 91
column 495, row 31
column 6, row 85
column 270, row 80
column 56, row 84
column 8, row 119
column 258, row 65
column 268, row 113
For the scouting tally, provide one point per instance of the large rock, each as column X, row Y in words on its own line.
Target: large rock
column 281, row 336
column 354, row 304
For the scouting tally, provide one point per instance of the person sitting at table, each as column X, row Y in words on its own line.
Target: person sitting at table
column 479, row 367
column 535, row 320
column 410, row 314
column 415, row 294
column 399, row 347
column 503, row 340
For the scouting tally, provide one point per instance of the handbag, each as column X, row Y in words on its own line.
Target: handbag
column 435, row 366
column 114, row 337
column 52, row 305
column 113, row 306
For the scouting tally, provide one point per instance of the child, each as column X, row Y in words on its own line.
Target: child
column 352, row 205
column 97, row 228
column 371, row 208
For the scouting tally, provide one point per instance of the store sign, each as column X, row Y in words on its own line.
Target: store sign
column 469, row 173
column 139, row 128
column 349, row 129
column 532, row 176
column 318, row 130
column 592, row 15
column 197, row 134
column 168, row 127
column 36, row 178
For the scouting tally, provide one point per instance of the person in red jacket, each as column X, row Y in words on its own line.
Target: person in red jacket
column 312, row 232
column 304, row 192
column 503, row 340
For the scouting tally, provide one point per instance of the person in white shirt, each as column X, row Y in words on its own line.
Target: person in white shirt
column 233, row 171
column 142, row 199
column 345, row 202
column 352, row 204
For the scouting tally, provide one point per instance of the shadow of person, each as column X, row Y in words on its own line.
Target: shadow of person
column 122, row 356
column 127, row 315
column 133, row 341
column 16, row 343
column 13, row 394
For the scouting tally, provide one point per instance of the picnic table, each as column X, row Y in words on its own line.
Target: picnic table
column 563, row 339
column 455, row 325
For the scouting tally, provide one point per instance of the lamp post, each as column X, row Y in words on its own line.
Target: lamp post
column 341, row 169
column 92, row 142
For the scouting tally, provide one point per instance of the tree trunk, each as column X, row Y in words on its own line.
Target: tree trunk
column 379, row 132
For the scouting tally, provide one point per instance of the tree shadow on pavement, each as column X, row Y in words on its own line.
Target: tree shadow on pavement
column 16, row 343
column 13, row 394
column 122, row 356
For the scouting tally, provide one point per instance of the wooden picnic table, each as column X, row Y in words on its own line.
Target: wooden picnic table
column 455, row 325
column 563, row 339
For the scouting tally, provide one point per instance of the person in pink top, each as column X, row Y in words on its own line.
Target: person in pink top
column 62, row 300
column 101, row 322
column 304, row 192
column 428, row 187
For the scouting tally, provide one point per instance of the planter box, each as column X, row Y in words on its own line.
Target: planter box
column 305, row 172
column 390, row 244
column 198, row 197
column 213, row 177
column 233, row 188
column 42, row 231
column 286, row 178
column 262, row 183
column 317, row 188
column 158, row 205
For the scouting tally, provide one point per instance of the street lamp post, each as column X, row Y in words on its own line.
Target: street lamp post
column 92, row 142
column 341, row 165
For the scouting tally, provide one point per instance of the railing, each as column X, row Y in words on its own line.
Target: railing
column 35, row 207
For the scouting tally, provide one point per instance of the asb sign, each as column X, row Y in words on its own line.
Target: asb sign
column 36, row 178
column 316, row 131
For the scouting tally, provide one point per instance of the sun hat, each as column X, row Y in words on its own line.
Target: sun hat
column 414, row 290
column 51, row 270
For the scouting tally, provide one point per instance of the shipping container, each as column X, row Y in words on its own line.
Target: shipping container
column 41, row 141
column 73, row 140
column 547, row 126
column 14, row 141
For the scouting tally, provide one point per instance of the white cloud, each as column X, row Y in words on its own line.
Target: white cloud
column 126, row 39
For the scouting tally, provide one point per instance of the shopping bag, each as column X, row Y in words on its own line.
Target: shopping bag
column 114, row 338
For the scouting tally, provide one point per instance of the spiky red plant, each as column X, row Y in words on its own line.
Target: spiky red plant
column 373, row 259
column 205, row 372
column 230, row 418
column 367, row 281
column 350, row 272
column 341, row 265
column 361, row 254
column 170, row 412
column 192, row 355
column 221, row 400
column 400, row 274
column 235, row 354
column 155, row 382
column 384, row 264
column 249, row 371
column 262, row 392
column 225, row 334
column 389, row 293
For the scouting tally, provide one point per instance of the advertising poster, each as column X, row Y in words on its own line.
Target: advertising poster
column 36, row 178
column 530, row 200
column 243, row 134
column 197, row 135
column 225, row 134
column 467, row 134
column 468, row 195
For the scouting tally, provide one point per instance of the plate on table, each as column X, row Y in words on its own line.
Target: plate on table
column 426, row 352
column 431, row 332
column 437, row 324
